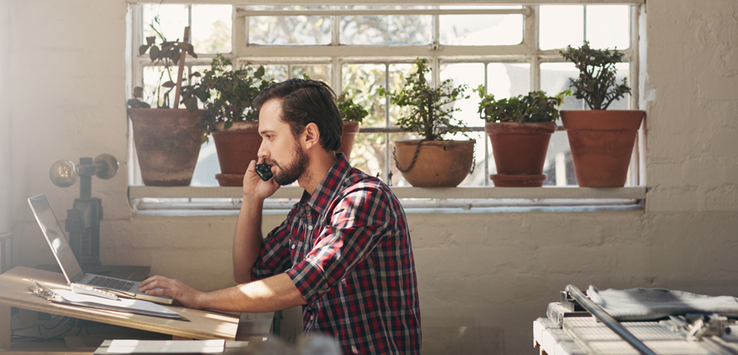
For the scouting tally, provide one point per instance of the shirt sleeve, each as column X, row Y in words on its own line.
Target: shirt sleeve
column 357, row 223
column 274, row 255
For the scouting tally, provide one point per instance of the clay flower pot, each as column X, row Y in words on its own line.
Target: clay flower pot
column 601, row 144
column 439, row 163
column 350, row 129
column 520, row 152
column 236, row 147
column 167, row 143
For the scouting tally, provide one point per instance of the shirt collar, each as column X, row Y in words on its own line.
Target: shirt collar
column 331, row 184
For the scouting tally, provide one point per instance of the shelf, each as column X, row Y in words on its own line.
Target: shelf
column 529, row 193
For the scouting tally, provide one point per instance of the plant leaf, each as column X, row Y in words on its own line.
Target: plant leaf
column 168, row 84
column 154, row 53
column 138, row 92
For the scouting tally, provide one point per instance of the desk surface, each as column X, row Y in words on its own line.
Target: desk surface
column 14, row 293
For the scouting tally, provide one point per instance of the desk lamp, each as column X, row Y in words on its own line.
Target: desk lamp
column 83, row 220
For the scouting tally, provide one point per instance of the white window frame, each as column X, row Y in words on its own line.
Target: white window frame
column 466, row 197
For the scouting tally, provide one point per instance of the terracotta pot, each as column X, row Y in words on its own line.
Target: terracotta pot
column 601, row 144
column 519, row 150
column 439, row 163
column 350, row 129
column 236, row 147
column 167, row 143
column 522, row 180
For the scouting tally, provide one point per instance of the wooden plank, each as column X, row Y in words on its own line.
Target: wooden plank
column 201, row 324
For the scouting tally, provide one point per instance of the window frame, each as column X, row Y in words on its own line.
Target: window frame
column 526, row 52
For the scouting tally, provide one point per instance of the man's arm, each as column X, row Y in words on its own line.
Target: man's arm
column 248, row 237
column 271, row 294
column 247, row 240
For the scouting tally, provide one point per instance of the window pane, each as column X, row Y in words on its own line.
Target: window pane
column 207, row 166
column 154, row 94
column 362, row 81
column 508, row 79
column 276, row 72
column 471, row 74
column 368, row 153
column 307, row 30
column 211, row 28
column 555, row 79
column 313, row 71
column 386, row 29
column 481, row 30
column 608, row 26
column 561, row 26
column 558, row 167
column 172, row 21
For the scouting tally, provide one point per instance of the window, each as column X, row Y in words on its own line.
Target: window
column 509, row 49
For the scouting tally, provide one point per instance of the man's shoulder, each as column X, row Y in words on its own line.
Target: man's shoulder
column 358, row 181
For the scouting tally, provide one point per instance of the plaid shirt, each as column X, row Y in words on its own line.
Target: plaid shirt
column 347, row 249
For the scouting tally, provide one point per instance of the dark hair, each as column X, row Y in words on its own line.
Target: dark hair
column 306, row 101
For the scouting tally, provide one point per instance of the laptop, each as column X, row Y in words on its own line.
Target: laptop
column 68, row 262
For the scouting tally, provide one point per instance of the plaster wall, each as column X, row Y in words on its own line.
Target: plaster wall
column 483, row 277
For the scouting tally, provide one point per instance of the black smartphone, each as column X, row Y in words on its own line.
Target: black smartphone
column 264, row 171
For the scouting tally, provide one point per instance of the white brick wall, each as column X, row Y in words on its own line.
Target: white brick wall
column 483, row 277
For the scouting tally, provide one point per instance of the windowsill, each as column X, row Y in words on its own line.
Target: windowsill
column 414, row 199
column 568, row 192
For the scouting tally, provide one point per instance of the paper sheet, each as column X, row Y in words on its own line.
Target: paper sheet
column 120, row 346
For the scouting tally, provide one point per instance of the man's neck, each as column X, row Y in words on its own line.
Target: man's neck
column 318, row 168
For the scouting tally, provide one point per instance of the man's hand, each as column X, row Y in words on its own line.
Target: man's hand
column 254, row 187
column 162, row 286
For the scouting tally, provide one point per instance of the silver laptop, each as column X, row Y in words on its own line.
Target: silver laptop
column 68, row 262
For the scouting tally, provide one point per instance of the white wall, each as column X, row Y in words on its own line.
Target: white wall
column 484, row 277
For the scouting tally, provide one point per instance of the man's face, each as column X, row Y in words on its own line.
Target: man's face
column 279, row 147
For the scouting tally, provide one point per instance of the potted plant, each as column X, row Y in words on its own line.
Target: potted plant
column 431, row 161
column 227, row 96
column 601, row 141
column 167, row 139
column 519, row 128
column 352, row 114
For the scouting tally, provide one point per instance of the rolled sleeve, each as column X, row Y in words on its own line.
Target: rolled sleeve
column 274, row 256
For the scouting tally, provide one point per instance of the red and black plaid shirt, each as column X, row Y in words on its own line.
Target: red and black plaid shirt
column 347, row 249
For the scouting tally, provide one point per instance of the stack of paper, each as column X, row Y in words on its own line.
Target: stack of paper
column 121, row 304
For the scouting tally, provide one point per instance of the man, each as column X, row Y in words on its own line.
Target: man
column 344, row 251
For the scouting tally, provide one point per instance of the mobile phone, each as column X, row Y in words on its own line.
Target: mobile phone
column 264, row 171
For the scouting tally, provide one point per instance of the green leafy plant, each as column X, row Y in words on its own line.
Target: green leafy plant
column 533, row 107
column 431, row 115
column 596, row 83
column 349, row 110
column 168, row 54
column 227, row 94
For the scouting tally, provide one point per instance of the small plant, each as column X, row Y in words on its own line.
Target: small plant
column 227, row 94
column 533, row 107
column 168, row 54
column 430, row 114
column 349, row 110
column 597, row 82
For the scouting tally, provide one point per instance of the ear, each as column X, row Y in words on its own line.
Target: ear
column 311, row 136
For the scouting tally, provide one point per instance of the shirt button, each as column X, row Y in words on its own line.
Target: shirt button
column 293, row 246
column 310, row 227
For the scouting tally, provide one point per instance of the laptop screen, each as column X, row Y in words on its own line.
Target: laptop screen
column 56, row 239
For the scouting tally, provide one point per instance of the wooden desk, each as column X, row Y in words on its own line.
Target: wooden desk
column 14, row 293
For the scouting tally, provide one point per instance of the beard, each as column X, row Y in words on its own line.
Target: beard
column 294, row 170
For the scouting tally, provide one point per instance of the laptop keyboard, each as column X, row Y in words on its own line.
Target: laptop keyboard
column 107, row 282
